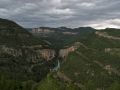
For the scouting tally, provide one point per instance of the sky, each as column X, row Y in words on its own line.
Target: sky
column 56, row 13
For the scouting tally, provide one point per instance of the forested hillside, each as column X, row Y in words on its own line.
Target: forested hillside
column 62, row 59
column 95, row 62
column 22, row 59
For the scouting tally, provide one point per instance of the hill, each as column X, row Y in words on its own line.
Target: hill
column 62, row 36
column 96, row 60
column 13, row 34
column 23, row 57
column 58, row 58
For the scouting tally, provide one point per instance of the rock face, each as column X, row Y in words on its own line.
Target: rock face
column 10, row 51
column 63, row 53
column 69, row 33
column 47, row 54
column 30, row 53
column 42, row 30
column 35, row 54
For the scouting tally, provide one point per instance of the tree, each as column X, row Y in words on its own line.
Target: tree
column 71, row 86
column 114, row 86
column 28, row 85
column 89, row 86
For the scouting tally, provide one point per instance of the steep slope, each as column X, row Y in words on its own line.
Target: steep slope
column 51, row 83
column 96, row 61
column 112, row 32
column 62, row 36
column 13, row 34
column 22, row 56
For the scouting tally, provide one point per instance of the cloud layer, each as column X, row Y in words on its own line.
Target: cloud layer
column 55, row 13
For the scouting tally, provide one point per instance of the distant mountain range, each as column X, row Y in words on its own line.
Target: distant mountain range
column 94, row 64
column 58, row 58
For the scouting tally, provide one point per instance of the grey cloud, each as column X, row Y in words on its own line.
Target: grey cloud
column 55, row 13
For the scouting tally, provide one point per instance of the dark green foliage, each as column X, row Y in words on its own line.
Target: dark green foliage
column 10, row 84
column 18, row 69
column 58, row 40
column 89, row 86
column 88, row 64
column 85, row 67
column 113, row 31
column 96, row 42
column 114, row 86
column 51, row 83
column 82, row 67
column 12, row 34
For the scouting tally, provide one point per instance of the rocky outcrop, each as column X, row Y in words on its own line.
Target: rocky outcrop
column 105, row 35
column 113, row 51
column 40, row 54
column 47, row 54
column 63, row 53
column 30, row 53
column 10, row 51
column 69, row 33
column 42, row 30
column 36, row 53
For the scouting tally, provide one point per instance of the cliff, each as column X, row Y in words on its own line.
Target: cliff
column 63, row 53
column 42, row 30
column 32, row 55
column 47, row 54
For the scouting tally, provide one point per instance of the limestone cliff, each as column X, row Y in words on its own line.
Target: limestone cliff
column 42, row 30
column 30, row 53
column 10, row 51
column 47, row 54
column 63, row 53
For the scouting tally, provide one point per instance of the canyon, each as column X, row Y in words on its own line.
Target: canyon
column 35, row 53
column 31, row 54
column 63, row 53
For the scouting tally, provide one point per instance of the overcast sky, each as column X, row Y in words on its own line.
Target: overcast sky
column 56, row 13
